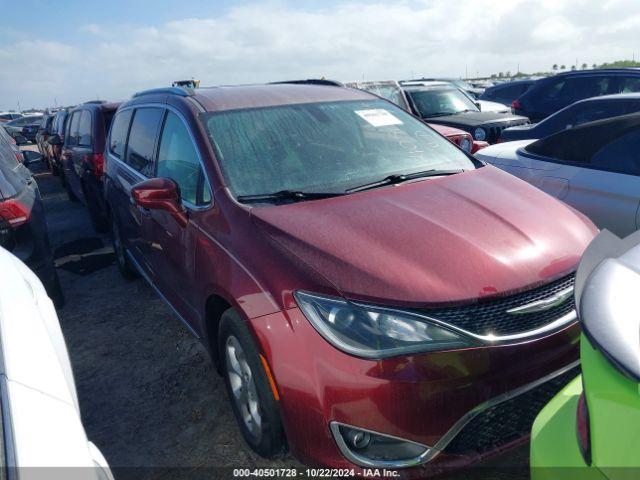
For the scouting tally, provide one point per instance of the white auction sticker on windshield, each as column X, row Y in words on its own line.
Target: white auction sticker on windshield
column 379, row 117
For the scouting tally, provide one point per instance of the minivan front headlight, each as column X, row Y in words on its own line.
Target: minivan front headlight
column 374, row 332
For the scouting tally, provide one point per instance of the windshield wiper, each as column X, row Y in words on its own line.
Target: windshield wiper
column 293, row 195
column 403, row 177
column 439, row 114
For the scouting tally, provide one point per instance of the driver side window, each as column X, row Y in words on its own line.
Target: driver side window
column 178, row 160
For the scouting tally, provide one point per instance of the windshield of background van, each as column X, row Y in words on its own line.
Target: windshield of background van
column 324, row 147
column 449, row 101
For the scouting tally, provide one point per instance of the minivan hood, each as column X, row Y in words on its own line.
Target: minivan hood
column 435, row 241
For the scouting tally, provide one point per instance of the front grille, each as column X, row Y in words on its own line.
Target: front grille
column 494, row 131
column 509, row 420
column 491, row 318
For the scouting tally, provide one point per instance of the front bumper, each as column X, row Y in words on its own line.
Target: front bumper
column 554, row 446
column 455, row 402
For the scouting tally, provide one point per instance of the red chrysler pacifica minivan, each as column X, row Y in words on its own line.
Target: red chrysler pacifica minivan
column 373, row 296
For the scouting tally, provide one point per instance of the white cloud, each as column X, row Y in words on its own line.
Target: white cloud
column 262, row 42
column 92, row 28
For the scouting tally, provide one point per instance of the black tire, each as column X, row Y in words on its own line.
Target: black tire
column 63, row 179
column 268, row 439
column 98, row 219
column 72, row 196
column 126, row 268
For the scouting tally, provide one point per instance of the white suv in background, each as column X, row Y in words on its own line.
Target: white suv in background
column 41, row 425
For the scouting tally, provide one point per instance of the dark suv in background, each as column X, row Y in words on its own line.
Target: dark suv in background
column 507, row 92
column 82, row 156
column 548, row 95
column 446, row 104
column 583, row 111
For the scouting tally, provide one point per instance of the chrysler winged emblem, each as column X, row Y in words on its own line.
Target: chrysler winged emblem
column 544, row 304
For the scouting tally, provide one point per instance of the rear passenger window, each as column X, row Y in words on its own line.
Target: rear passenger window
column 119, row 130
column 84, row 129
column 567, row 145
column 142, row 139
column 620, row 155
column 554, row 90
column 586, row 87
column 61, row 125
column 178, row 160
column 72, row 130
column 599, row 111
column 629, row 85
column 511, row 91
column 11, row 184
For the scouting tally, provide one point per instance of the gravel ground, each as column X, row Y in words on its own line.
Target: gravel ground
column 149, row 396
column 148, row 392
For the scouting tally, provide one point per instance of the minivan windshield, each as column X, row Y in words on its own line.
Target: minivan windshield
column 324, row 147
column 433, row 102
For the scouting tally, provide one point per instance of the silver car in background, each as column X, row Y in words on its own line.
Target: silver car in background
column 594, row 168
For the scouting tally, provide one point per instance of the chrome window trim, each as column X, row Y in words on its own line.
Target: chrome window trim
column 367, row 462
column 164, row 106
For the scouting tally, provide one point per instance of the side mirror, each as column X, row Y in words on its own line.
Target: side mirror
column 54, row 140
column 31, row 156
column 160, row 194
column 20, row 139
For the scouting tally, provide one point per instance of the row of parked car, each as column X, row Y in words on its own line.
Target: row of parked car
column 335, row 253
column 41, row 421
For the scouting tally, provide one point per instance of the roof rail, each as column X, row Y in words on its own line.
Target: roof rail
column 180, row 91
column 600, row 70
column 312, row 81
column 98, row 102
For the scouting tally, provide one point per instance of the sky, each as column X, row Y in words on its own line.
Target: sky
column 69, row 51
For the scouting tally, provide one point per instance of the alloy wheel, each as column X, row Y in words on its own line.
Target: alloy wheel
column 243, row 386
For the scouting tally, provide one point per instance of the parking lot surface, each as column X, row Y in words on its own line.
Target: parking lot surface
column 149, row 395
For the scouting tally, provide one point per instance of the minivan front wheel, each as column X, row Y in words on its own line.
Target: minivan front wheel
column 253, row 402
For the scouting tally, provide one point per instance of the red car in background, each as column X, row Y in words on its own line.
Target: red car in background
column 462, row 139
column 373, row 295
